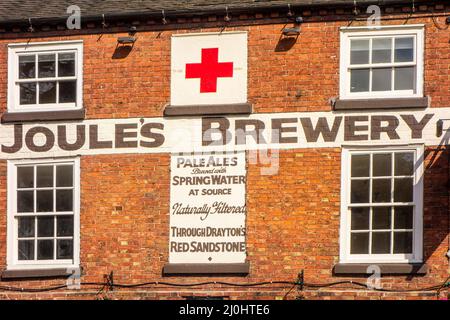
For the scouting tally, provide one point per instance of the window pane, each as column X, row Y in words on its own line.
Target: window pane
column 360, row 218
column 359, row 243
column 26, row 227
column 404, row 49
column 403, row 242
column 66, row 64
column 46, row 65
column 381, row 50
column 381, row 242
column 46, row 226
column 404, row 78
column 381, row 79
column 404, row 164
column 65, row 226
column 360, row 80
column 381, row 218
column 64, row 176
column 360, row 165
column 381, row 190
column 403, row 190
column 25, row 201
column 403, row 218
column 44, row 200
column 44, row 176
column 382, row 165
column 64, row 200
column 45, row 250
column 47, row 92
column 359, row 52
column 25, row 177
column 25, row 250
column 67, row 91
column 27, row 93
column 27, row 67
column 360, row 191
column 64, row 249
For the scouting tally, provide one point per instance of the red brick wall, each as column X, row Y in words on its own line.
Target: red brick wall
column 303, row 78
column 293, row 217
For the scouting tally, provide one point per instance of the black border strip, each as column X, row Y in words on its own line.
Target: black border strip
column 36, row 273
column 389, row 103
column 9, row 117
column 220, row 109
column 385, row 268
column 242, row 269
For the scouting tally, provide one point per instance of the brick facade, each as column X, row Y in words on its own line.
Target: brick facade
column 293, row 217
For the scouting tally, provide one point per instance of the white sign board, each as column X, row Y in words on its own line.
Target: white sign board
column 260, row 131
column 207, row 208
column 209, row 68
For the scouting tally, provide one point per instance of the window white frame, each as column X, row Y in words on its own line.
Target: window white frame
column 12, row 260
column 350, row 33
column 15, row 50
column 417, row 255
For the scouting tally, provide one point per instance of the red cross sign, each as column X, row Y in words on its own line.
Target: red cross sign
column 209, row 70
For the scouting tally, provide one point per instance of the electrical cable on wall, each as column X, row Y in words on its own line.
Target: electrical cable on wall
column 355, row 11
column 299, row 282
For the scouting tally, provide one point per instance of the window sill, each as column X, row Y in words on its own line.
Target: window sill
column 195, row 110
column 237, row 269
column 10, row 117
column 386, row 268
column 388, row 103
column 38, row 273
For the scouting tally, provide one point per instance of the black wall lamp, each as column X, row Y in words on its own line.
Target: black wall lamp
column 293, row 31
column 125, row 44
column 130, row 39
column 126, row 40
column 447, row 20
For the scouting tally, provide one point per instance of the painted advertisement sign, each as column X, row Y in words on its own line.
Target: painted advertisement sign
column 231, row 133
column 207, row 208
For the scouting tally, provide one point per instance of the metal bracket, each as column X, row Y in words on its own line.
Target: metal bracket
column 301, row 280
column 164, row 21
column 30, row 28
column 227, row 17
column 355, row 8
